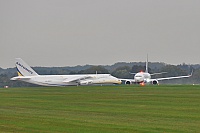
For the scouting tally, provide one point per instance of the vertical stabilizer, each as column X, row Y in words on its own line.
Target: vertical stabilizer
column 24, row 69
column 146, row 65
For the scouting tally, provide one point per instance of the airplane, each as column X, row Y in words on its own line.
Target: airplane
column 27, row 74
column 145, row 77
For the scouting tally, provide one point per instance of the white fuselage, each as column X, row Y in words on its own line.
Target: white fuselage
column 67, row 80
column 142, row 77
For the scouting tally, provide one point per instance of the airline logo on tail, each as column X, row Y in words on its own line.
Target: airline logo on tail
column 24, row 69
column 17, row 63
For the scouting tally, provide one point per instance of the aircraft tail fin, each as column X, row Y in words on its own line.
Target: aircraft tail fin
column 146, row 65
column 24, row 69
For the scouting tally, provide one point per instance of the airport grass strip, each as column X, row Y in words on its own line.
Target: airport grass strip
column 151, row 109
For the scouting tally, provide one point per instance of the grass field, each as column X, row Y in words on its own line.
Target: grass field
column 148, row 109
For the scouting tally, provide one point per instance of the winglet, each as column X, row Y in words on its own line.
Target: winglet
column 191, row 73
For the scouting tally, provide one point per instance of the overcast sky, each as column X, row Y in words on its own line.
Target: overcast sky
column 99, row 32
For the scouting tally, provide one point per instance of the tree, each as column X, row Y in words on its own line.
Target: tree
column 94, row 70
column 136, row 69
column 173, row 70
column 122, row 72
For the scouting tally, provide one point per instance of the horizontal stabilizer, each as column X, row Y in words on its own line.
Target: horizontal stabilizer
column 133, row 73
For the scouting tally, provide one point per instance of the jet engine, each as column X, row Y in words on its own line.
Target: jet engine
column 155, row 82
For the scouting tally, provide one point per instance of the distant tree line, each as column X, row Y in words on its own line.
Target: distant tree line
column 120, row 70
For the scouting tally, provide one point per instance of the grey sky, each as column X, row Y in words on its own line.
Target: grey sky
column 79, row 32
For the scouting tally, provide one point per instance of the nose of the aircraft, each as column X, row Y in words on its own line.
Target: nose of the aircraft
column 119, row 81
column 138, row 79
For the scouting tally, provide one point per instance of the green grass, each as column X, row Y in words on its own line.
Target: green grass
column 151, row 109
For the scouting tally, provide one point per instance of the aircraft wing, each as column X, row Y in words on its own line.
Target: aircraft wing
column 157, row 73
column 21, row 77
column 128, row 80
column 178, row 77
column 76, row 79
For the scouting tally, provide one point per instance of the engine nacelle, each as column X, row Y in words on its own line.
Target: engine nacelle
column 155, row 82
